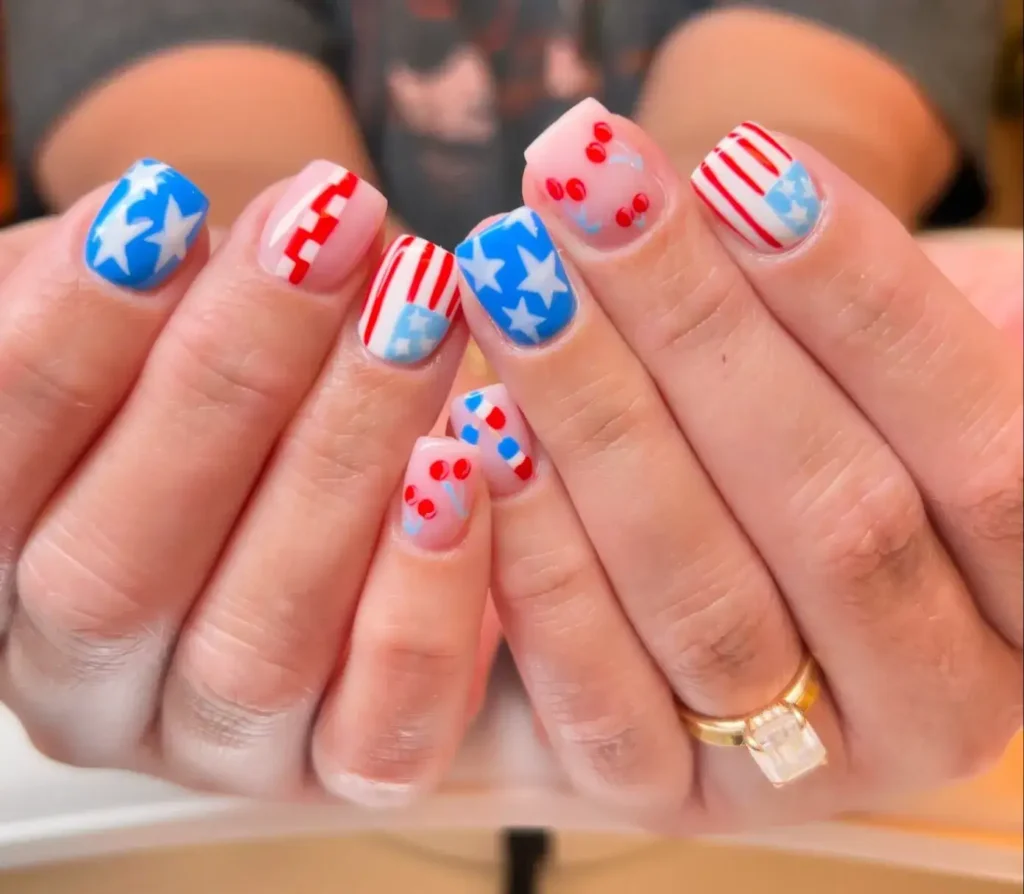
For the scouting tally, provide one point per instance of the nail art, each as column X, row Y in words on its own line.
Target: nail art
column 758, row 190
column 321, row 227
column 516, row 273
column 437, row 497
column 146, row 227
column 595, row 179
column 412, row 301
column 489, row 420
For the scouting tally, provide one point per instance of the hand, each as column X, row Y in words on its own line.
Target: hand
column 763, row 429
column 210, row 571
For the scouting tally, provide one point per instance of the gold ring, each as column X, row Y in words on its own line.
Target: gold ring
column 779, row 738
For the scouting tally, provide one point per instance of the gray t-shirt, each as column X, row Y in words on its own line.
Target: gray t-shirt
column 450, row 92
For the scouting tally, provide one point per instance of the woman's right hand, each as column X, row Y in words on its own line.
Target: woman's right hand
column 206, row 569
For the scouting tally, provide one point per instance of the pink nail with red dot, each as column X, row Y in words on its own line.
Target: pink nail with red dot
column 439, row 490
column 595, row 179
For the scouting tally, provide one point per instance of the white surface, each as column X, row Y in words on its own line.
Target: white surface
column 504, row 776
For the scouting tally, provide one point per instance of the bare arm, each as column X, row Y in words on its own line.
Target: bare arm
column 226, row 114
column 799, row 77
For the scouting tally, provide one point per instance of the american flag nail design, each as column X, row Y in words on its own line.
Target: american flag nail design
column 489, row 420
column 321, row 227
column 412, row 301
column 437, row 496
column 755, row 187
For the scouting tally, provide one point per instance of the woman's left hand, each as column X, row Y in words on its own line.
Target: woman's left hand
column 765, row 428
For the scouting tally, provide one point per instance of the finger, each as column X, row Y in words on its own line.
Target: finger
column 395, row 718
column 124, row 550
column 261, row 642
column 606, row 709
column 60, row 378
column 692, row 586
column 831, row 509
column 940, row 383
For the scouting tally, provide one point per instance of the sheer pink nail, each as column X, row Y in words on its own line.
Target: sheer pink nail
column 439, row 490
column 591, row 172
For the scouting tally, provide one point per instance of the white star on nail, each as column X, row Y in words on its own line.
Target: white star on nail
column 524, row 216
column 787, row 188
column 521, row 320
column 797, row 213
column 144, row 178
column 114, row 235
column 418, row 322
column 541, row 276
column 806, row 186
column 483, row 269
column 172, row 238
column 402, row 346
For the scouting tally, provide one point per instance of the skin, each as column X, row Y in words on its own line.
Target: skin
column 601, row 740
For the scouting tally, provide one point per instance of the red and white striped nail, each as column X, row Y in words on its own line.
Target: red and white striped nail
column 439, row 492
column 321, row 227
column 755, row 188
column 593, row 173
column 412, row 301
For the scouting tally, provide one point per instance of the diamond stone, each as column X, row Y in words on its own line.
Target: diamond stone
column 784, row 744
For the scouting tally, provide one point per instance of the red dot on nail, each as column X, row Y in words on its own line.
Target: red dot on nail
column 555, row 189
column 525, row 469
column 439, row 470
column 641, row 203
column 596, row 153
column 410, row 495
column 462, row 469
column 426, row 509
column 602, row 131
column 576, row 190
column 624, row 218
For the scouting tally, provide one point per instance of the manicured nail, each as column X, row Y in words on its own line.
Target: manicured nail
column 489, row 420
column 411, row 304
column 321, row 227
column 594, row 178
column 146, row 227
column 519, row 279
column 758, row 190
column 440, row 486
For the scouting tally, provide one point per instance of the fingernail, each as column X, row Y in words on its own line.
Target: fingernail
column 412, row 301
column 440, row 487
column 519, row 279
column 596, row 180
column 321, row 227
column 489, row 420
column 146, row 227
column 754, row 187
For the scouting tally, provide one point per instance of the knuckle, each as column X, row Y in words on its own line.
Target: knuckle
column 547, row 578
column 220, row 373
column 871, row 530
column 990, row 502
column 605, row 415
column 714, row 309
column 46, row 383
column 882, row 305
column 416, row 660
column 716, row 636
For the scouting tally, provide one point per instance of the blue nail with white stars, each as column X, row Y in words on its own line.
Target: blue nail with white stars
column 518, row 277
column 146, row 227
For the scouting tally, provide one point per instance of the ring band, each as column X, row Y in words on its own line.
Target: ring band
column 779, row 738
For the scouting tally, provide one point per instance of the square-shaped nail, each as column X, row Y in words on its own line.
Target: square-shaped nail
column 594, row 174
column 439, row 490
column 755, row 187
column 412, row 301
column 489, row 420
column 146, row 227
column 321, row 227
column 516, row 273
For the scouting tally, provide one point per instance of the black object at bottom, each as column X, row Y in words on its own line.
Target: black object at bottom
column 526, row 853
